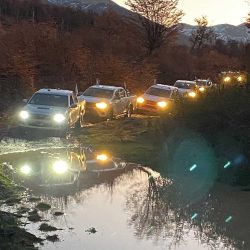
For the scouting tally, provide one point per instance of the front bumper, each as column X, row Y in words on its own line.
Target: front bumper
column 93, row 112
column 150, row 109
column 45, row 124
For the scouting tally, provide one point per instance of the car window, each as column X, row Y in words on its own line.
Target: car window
column 159, row 92
column 49, row 100
column 71, row 100
column 98, row 92
column 185, row 85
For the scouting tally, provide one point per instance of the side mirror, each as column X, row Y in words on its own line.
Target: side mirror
column 73, row 106
column 25, row 100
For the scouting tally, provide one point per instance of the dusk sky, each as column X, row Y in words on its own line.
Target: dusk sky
column 217, row 11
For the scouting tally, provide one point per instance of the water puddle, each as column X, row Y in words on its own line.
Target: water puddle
column 96, row 201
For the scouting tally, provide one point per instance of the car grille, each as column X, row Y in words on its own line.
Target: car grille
column 40, row 116
column 150, row 104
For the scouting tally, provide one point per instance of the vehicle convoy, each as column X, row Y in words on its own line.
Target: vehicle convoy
column 52, row 109
column 108, row 102
column 156, row 99
column 187, row 88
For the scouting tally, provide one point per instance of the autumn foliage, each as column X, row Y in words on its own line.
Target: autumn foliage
column 48, row 46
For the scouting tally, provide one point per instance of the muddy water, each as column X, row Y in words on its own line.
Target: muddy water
column 127, row 206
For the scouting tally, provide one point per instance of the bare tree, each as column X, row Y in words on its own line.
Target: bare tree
column 159, row 19
column 203, row 35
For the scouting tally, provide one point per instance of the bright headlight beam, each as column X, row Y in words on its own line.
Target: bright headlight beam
column 101, row 105
column 60, row 167
column 26, row 169
column 59, row 118
column 140, row 100
column 240, row 78
column 162, row 104
column 227, row 79
column 201, row 89
column 24, row 115
column 192, row 94
column 102, row 157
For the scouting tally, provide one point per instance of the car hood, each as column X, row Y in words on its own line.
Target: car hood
column 44, row 110
column 185, row 91
column 92, row 99
column 155, row 98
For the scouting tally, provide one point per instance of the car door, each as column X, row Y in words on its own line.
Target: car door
column 73, row 110
column 124, row 100
column 117, row 103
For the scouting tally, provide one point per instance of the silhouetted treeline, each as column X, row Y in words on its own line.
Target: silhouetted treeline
column 37, row 11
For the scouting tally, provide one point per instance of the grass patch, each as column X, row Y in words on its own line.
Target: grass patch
column 135, row 140
column 11, row 235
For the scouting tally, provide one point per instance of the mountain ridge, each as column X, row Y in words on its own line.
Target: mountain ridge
column 225, row 32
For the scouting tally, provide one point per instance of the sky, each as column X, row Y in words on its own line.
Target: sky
column 217, row 11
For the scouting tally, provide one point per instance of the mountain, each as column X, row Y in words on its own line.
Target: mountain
column 225, row 32
column 97, row 6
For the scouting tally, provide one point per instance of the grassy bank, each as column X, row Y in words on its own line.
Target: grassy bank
column 135, row 140
column 12, row 237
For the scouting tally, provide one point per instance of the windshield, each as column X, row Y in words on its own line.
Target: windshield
column 184, row 85
column 49, row 100
column 159, row 92
column 201, row 83
column 97, row 92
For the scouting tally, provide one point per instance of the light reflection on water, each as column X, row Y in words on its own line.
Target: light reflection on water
column 128, row 208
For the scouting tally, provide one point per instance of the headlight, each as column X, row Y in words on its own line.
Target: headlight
column 24, row 115
column 140, row 100
column 240, row 78
column 192, row 94
column 59, row 118
column 60, row 167
column 102, row 157
column 201, row 89
column 101, row 105
column 26, row 169
column 227, row 79
column 162, row 104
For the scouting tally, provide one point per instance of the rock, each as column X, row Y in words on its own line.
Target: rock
column 47, row 228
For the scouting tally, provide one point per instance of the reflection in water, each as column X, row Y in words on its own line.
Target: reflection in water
column 62, row 171
column 126, row 202
column 220, row 220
